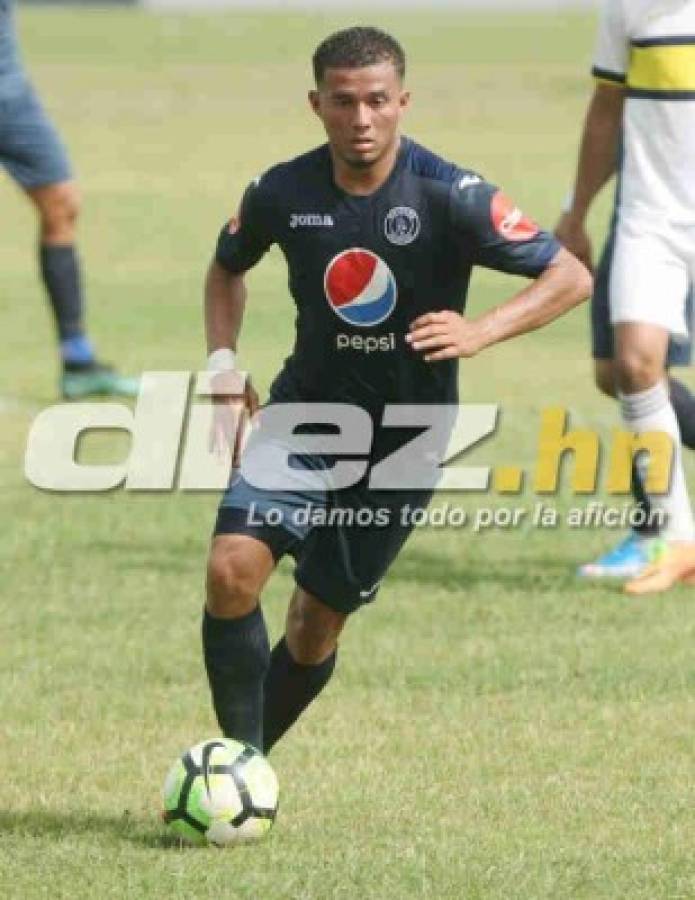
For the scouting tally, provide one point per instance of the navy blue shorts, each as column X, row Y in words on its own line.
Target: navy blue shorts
column 343, row 542
column 30, row 148
column 679, row 351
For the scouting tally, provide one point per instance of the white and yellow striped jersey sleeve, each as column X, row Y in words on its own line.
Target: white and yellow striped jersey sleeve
column 662, row 67
column 647, row 47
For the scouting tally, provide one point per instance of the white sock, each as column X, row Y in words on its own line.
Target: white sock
column 651, row 410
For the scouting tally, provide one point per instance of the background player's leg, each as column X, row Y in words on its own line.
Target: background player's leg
column 682, row 398
column 633, row 552
column 683, row 403
column 58, row 206
column 604, row 376
column 301, row 664
column 35, row 157
column 644, row 397
column 235, row 639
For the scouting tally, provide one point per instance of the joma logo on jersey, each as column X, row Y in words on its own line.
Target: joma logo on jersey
column 311, row 220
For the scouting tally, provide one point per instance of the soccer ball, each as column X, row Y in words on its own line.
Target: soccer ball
column 220, row 792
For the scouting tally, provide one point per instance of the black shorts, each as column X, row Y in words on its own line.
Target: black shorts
column 679, row 350
column 343, row 541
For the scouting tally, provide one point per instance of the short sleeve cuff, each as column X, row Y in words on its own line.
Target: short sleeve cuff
column 608, row 76
column 231, row 264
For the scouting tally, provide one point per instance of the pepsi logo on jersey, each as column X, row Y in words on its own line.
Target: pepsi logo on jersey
column 360, row 287
column 366, row 343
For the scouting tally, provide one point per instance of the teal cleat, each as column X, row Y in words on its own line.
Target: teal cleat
column 627, row 560
column 96, row 379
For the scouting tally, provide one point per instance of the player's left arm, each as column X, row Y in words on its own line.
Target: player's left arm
column 446, row 334
column 493, row 232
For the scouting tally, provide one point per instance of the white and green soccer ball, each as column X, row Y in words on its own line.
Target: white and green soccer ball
column 220, row 792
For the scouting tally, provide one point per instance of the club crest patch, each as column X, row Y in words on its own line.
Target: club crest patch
column 402, row 225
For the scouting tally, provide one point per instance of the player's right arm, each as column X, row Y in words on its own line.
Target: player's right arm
column 241, row 243
column 600, row 141
column 598, row 156
column 225, row 299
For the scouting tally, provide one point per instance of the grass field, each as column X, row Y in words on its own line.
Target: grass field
column 495, row 728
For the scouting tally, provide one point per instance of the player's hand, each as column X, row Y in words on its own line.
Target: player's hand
column 445, row 335
column 573, row 235
column 233, row 407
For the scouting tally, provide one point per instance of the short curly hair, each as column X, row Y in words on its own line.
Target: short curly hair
column 355, row 48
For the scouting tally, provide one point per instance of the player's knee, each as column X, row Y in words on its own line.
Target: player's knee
column 312, row 629
column 638, row 369
column 232, row 582
column 59, row 211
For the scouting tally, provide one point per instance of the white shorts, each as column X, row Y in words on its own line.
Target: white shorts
column 651, row 275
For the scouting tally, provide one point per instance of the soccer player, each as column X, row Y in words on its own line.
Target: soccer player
column 33, row 155
column 645, row 100
column 380, row 236
column 632, row 554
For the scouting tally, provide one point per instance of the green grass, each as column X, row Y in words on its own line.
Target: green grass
column 495, row 729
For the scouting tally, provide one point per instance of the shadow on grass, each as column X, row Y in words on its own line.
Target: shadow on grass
column 46, row 823
column 525, row 574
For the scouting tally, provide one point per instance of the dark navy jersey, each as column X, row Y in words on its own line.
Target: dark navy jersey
column 361, row 269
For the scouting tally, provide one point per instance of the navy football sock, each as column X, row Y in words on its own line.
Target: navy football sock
column 289, row 688
column 60, row 270
column 642, row 502
column 683, row 403
column 237, row 654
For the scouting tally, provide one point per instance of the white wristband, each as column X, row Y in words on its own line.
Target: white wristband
column 568, row 202
column 222, row 360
